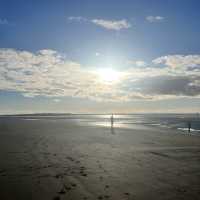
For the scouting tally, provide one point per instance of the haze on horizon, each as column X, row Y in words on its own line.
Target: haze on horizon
column 99, row 56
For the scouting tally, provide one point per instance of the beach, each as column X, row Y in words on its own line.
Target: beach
column 59, row 159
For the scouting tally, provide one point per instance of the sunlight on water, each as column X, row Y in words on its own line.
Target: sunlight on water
column 171, row 121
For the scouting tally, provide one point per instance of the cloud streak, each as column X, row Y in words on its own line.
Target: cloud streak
column 115, row 25
column 153, row 19
column 111, row 24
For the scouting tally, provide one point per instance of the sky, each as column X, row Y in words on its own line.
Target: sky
column 92, row 56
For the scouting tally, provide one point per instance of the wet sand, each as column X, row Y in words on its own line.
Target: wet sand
column 50, row 159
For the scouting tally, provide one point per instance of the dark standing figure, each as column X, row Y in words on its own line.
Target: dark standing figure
column 189, row 127
column 112, row 120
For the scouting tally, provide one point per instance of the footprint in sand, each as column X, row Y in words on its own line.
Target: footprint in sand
column 57, row 176
column 68, row 188
column 62, row 191
column 56, row 198
column 82, row 171
column 106, row 186
column 2, row 171
column 73, row 184
column 103, row 197
column 100, row 197
column 100, row 166
column 70, row 158
column 84, row 175
column 82, row 168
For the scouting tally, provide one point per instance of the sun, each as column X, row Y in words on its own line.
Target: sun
column 108, row 75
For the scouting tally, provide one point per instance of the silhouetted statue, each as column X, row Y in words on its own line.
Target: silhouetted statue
column 112, row 120
column 189, row 127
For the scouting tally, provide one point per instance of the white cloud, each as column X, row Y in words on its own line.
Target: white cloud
column 47, row 73
column 179, row 61
column 154, row 18
column 169, row 77
column 112, row 24
column 107, row 24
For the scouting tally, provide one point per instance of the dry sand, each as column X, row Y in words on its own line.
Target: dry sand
column 60, row 160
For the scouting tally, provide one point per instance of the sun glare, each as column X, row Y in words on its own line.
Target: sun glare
column 108, row 75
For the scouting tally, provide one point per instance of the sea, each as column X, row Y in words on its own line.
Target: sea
column 178, row 122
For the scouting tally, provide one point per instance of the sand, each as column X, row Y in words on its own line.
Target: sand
column 49, row 159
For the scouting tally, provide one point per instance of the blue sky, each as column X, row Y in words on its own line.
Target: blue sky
column 51, row 53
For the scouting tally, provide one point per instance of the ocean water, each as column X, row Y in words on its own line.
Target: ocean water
column 168, row 121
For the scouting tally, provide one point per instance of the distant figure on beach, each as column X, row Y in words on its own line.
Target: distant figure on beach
column 189, row 127
column 112, row 120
